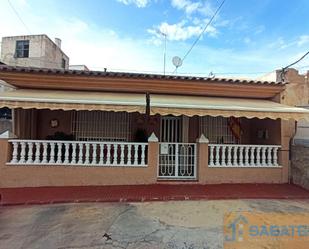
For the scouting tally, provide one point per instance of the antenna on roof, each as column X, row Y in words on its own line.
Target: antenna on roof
column 177, row 62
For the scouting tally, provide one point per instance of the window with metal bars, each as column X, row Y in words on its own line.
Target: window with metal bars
column 22, row 49
column 101, row 126
column 217, row 130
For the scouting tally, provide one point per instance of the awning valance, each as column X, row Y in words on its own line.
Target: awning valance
column 73, row 100
column 225, row 107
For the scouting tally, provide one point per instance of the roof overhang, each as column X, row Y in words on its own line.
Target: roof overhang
column 50, row 79
column 225, row 107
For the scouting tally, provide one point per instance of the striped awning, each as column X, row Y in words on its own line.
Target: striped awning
column 225, row 107
column 73, row 100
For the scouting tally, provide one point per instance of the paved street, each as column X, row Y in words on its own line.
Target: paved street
column 170, row 225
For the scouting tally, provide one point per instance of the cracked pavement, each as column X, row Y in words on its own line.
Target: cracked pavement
column 153, row 225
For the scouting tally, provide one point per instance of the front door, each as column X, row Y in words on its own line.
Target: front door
column 177, row 156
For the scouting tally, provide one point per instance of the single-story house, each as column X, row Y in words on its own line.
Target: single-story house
column 91, row 128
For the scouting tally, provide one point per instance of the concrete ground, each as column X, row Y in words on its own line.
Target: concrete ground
column 168, row 225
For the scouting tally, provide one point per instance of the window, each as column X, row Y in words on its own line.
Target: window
column 63, row 63
column 101, row 126
column 5, row 113
column 22, row 49
column 217, row 130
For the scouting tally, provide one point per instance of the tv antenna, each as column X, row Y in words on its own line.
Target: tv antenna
column 177, row 62
column 164, row 56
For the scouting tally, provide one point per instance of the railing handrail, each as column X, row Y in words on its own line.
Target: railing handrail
column 249, row 145
column 74, row 142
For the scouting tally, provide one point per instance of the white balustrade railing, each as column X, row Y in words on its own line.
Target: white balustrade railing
column 42, row 152
column 236, row 155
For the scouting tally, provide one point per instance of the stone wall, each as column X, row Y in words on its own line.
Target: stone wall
column 300, row 165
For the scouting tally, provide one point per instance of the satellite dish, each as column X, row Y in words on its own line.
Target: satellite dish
column 177, row 61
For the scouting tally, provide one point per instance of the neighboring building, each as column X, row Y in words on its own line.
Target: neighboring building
column 90, row 128
column 79, row 67
column 33, row 51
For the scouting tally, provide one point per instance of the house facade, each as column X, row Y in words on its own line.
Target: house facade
column 89, row 128
column 33, row 51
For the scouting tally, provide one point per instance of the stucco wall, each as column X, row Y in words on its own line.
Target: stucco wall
column 43, row 52
column 300, row 165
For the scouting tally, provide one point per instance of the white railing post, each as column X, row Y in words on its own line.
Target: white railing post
column 143, row 162
column 241, row 158
column 108, row 155
column 217, row 155
column 115, row 155
column 44, row 158
column 223, row 155
column 94, row 154
column 87, row 154
column 30, row 153
column 66, row 153
column 22, row 152
column 252, row 158
column 52, row 153
column 263, row 156
column 246, row 155
column 129, row 156
column 258, row 156
column 15, row 153
column 37, row 152
column 101, row 160
column 229, row 156
column 80, row 153
column 211, row 156
column 235, row 159
column 275, row 163
column 269, row 157
column 122, row 154
column 59, row 154
column 73, row 160
column 135, row 155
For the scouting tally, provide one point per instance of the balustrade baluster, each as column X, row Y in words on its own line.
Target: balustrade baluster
column 247, row 155
column 37, row 152
column 275, row 156
column 211, row 156
column 22, row 152
column 52, row 153
column 101, row 160
column 143, row 158
column 223, row 156
column 66, row 153
column 59, row 155
column 235, row 158
column 87, row 153
column 264, row 156
column 269, row 156
column 121, row 154
column 129, row 157
column 108, row 156
column 44, row 157
column 15, row 153
column 229, row 156
column 258, row 156
column 94, row 154
column 80, row 153
column 115, row 155
column 241, row 156
column 73, row 160
column 252, row 157
column 135, row 155
column 30, row 153
column 217, row 155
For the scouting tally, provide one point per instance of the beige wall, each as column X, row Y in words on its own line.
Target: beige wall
column 43, row 52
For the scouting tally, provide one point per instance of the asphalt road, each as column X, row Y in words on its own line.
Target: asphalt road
column 168, row 225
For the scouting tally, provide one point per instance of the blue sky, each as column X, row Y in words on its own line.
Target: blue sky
column 247, row 38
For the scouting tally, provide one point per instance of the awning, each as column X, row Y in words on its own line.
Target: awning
column 225, row 107
column 73, row 100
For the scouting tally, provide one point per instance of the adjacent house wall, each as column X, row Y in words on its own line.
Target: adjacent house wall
column 43, row 52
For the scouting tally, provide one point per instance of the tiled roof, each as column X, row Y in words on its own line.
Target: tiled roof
column 108, row 74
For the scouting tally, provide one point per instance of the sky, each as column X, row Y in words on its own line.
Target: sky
column 246, row 39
